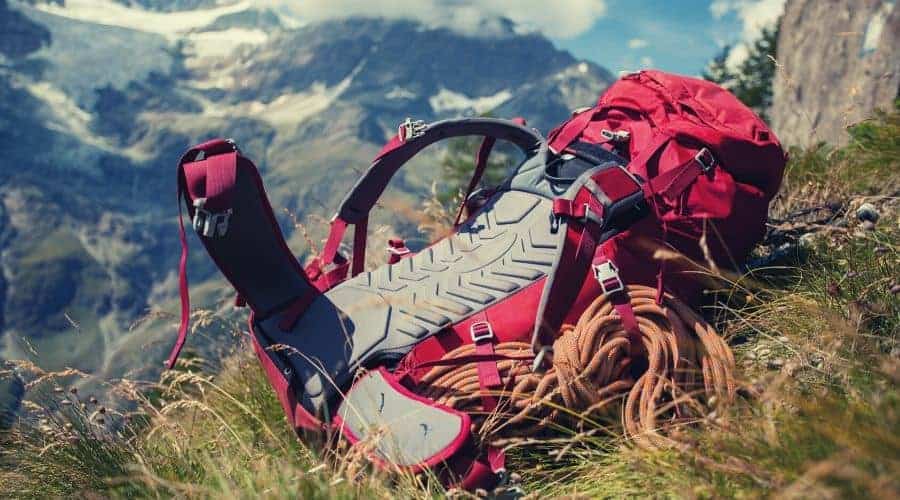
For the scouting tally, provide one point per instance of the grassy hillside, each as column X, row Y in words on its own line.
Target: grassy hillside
column 814, row 325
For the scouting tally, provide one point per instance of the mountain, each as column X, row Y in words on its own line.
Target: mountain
column 99, row 98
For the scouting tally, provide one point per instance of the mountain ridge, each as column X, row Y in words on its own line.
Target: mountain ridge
column 88, row 183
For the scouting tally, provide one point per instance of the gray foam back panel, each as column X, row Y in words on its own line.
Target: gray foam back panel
column 380, row 315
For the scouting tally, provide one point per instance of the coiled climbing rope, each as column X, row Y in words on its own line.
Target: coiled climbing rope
column 679, row 371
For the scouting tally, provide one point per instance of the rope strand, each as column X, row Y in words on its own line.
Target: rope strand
column 682, row 364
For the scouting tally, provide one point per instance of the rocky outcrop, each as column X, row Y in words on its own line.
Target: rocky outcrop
column 838, row 60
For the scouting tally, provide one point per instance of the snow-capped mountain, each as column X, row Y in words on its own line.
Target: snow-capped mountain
column 99, row 97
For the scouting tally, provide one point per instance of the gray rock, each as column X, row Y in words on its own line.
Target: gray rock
column 838, row 60
column 867, row 212
column 12, row 390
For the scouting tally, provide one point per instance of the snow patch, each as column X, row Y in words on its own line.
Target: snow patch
column 66, row 117
column 169, row 24
column 286, row 109
column 214, row 44
column 576, row 71
column 448, row 100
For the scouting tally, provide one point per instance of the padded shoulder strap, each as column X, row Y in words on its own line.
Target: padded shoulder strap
column 357, row 204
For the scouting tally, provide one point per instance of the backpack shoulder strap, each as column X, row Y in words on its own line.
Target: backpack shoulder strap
column 411, row 141
column 413, row 137
column 601, row 203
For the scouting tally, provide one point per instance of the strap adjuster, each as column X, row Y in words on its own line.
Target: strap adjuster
column 616, row 135
column 480, row 331
column 592, row 216
column 210, row 224
column 607, row 274
column 410, row 129
column 398, row 247
column 705, row 159
column 398, row 251
column 566, row 208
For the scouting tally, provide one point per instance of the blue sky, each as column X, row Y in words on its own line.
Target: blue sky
column 679, row 36
column 622, row 35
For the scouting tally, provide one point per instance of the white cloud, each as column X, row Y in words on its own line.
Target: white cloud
column 753, row 14
column 562, row 19
column 646, row 62
column 637, row 43
column 738, row 54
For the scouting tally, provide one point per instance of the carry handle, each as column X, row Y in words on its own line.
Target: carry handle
column 368, row 189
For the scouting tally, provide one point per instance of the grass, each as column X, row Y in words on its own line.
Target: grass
column 815, row 333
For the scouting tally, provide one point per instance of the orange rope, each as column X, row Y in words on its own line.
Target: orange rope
column 683, row 364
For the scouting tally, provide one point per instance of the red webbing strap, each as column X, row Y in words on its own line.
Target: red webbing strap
column 568, row 208
column 296, row 309
column 333, row 243
column 571, row 130
column 394, row 143
column 564, row 292
column 481, row 158
column 496, row 459
column 397, row 250
column 479, row 476
column 575, row 261
column 360, row 230
column 481, row 161
column 488, row 374
column 489, row 380
column 672, row 183
column 465, row 360
column 622, row 304
column 220, row 172
column 182, row 287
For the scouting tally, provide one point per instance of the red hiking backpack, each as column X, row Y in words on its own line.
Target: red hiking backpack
column 660, row 157
column 711, row 166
